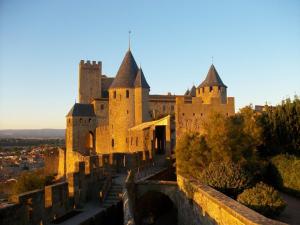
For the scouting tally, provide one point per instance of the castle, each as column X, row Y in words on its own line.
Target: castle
column 118, row 118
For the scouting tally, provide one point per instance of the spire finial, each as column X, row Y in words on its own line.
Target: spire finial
column 129, row 34
column 212, row 60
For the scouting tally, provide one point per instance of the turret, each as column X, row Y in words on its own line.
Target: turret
column 122, row 103
column 142, row 89
column 212, row 87
column 89, row 81
column 81, row 126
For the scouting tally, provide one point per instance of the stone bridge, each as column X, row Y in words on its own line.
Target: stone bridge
column 190, row 203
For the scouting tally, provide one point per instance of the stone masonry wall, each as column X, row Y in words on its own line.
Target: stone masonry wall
column 202, row 204
column 190, row 116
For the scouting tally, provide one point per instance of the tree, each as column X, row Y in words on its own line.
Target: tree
column 192, row 154
column 233, row 138
column 281, row 128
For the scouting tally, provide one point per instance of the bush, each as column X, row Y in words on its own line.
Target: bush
column 286, row 170
column 227, row 177
column 263, row 199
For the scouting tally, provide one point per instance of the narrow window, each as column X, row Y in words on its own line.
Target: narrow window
column 127, row 111
column 80, row 120
column 172, row 107
column 210, row 89
column 193, row 114
column 219, row 88
column 127, row 93
column 90, row 120
column 183, row 114
column 115, row 94
column 112, row 142
column 126, row 140
column 203, row 90
column 102, row 106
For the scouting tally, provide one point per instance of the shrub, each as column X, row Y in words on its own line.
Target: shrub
column 263, row 199
column 286, row 170
column 227, row 177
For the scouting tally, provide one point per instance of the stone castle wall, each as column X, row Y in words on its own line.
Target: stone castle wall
column 201, row 204
column 45, row 205
column 101, row 110
column 189, row 116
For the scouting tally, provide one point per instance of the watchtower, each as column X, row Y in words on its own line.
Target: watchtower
column 212, row 87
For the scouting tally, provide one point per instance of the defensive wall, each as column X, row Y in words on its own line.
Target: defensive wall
column 196, row 203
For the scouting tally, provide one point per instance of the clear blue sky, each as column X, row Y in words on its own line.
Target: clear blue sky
column 255, row 45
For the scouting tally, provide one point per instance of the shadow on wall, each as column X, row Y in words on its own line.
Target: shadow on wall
column 155, row 208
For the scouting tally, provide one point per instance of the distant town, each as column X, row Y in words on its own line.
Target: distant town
column 18, row 155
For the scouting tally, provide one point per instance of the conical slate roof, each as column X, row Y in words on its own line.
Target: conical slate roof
column 127, row 72
column 140, row 80
column 80, row 109
column 187, row 92
column 193, row 91
column 212, row 79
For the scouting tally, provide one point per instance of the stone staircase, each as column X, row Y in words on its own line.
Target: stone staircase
column 113, row 196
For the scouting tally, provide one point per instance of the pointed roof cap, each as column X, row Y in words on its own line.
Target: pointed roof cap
column 212, row 78
column 140, row 80
column 187, row 92
column 80, row 109
column 127, row 72
column 193, row 91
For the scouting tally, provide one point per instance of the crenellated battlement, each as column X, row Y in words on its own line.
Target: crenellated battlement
column 90, row 64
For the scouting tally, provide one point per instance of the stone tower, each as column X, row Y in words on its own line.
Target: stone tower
column 212, row 87
column 128, row 102
column 142, row 89
column 89, row 81
column 81, row 125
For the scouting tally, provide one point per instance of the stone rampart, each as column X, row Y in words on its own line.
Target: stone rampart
column 201, row 204
column 45, row 205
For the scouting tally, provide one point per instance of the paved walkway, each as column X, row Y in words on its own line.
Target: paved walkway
column 291, row 214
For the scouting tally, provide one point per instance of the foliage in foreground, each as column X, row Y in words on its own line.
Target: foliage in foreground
column 281, row 128
column 192, row 155
column 286, row 170
column 228, row 177
column 31, row 180
column 263, row 199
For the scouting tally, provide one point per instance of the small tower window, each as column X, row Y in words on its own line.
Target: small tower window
column 203, row 90
column 102, row 106
column 90, row 120
column 127, row 93
column 210, row 89
column 80, row 120
column 112, row 142
column 115, row 94
column 219, row 88
column 172, row 107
